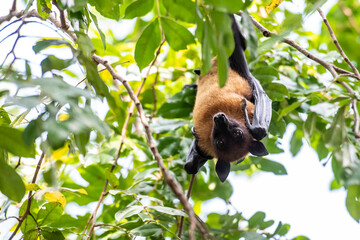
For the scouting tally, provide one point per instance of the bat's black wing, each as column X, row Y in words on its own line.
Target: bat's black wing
column 196, row 158
column 262, row 114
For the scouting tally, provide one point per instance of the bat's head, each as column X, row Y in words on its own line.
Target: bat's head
column 232, row 141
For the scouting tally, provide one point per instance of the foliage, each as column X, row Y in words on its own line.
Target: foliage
column 67, row 120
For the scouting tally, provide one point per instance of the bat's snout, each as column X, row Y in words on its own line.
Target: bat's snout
column 220, row 120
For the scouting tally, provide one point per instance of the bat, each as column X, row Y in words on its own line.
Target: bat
column 229, row 122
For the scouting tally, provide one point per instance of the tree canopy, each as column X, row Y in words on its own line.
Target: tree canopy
column 95, row 124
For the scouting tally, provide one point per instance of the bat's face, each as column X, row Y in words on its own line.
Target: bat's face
column 230, row 138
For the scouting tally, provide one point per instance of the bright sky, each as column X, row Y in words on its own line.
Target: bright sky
column 302, row 198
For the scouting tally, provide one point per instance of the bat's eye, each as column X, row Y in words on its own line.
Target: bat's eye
column 220, row 144
column 238, row 134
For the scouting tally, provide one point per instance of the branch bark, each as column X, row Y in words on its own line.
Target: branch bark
column 170, row 181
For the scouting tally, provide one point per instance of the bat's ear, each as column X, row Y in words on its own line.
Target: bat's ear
column 222, row 169
column 197, row 71
column 258, row 149
column 195, row 159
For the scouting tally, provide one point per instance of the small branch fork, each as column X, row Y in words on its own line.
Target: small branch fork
column 335, row 71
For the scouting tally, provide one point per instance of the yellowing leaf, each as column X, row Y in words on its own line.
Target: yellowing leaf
column 197, row 207
column 32, row 187
column 61, row 152
column 82, row 191
column 106, row 77
column 63, row 117
column 274, row 4
column 56, row 197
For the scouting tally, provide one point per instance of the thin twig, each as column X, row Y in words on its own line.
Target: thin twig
column 169, row 180
column 181, row 223
column 13, row 8
column 267, row 33
column 64, row 25
column 334, row 70
column 347, row 87
column 341, row 51
column 27, row 211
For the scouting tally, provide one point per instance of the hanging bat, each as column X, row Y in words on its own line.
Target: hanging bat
column 229, row 122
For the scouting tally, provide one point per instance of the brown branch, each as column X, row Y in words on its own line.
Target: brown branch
column 330, row 67
column 334, row 70
column 27, row 211
column 169, row 180
column 13, row 8
column 341, row 51
column 346, row 86
column 181, row 223
column 64, row 25
column 122, row 141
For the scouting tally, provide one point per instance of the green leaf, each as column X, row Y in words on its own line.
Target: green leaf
column 181, row 9
column 269, row 166
column 168, row 210
column 45, row 43
column 147, row 43
column 176, row 35
column 178, row 106
column 138, row 8
column 256, row 220
column 207, row 40
column 113, row 180
column 296, row 142
column 300, row 238
column 281, row 229
column 252, row 236
column 150, row 229
column 102, row 35
column 4, row 118
column 266, row 74
column 128, row 212
column 107, row 8
column 44, row 8
column 52, row 234
column 169, row 146
column 49, row 213
column 51, row 62
column 31, row 235
column 276, row 91
column 248, row 30
column 81, row 141
column 164, row 125
column 29, row 222
column 290, row 108
column 336, row 134
column 11, row 183
column 86, row 46
column 11, row 140
column 232, row 6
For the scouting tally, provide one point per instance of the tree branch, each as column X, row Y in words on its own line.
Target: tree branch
column 267, row 33
column 27, row 211
column 341, row 51
column 122, row 141
column 334, row 70
column 170, row 181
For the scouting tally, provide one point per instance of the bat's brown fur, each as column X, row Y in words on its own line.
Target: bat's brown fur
column 211, row 99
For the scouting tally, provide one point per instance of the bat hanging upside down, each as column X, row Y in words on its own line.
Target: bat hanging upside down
column 222, row 125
